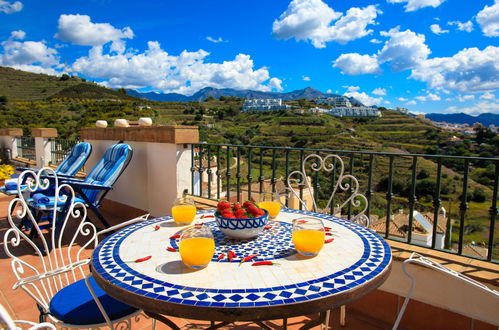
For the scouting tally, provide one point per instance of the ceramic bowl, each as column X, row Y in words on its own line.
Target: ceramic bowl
column 145, row 121
column 242, row 228
column 121, row 123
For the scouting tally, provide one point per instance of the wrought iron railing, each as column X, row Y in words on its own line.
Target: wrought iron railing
column 395, row 184
column 26, row 147
column 60, row 148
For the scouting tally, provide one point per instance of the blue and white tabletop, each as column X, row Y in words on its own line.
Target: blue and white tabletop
column 356, row 257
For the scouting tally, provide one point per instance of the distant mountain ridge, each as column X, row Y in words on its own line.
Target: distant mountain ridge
column 306, row 93
column 485, row 119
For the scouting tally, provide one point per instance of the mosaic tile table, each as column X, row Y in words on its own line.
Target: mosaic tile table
column 354, row 264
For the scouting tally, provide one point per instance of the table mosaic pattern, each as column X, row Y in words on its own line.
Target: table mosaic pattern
column 356, row 256
column 273, row 243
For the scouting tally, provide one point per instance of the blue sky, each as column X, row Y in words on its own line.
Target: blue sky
column 426, row 55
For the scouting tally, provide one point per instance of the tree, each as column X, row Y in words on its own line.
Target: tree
column 122, row 91
column 64, row 77
column 479, row 195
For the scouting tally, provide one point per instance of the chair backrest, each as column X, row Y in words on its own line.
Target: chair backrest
column 305, row 180
column 60, row 249
column 75, row 160
column 108, row 170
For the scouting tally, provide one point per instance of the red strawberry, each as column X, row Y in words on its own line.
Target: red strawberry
column 239, row 213
column 253, row 210
column 248, row 204
column 244, row 216
column 223, row 205
column 227, row 213
column 236, row 206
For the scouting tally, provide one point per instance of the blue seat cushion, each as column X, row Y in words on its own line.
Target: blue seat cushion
column 74, row 305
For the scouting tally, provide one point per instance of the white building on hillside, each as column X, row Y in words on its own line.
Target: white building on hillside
column 355, row 112
column 264, row 105
column 402, row 110
column 336, row 101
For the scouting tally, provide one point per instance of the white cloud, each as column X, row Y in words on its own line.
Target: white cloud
column 428, row 97
column 466, row 26
column 375, row 41
column 379, row 91
column 305, row 78
column 79, row 30
column 470, row 70
column 33, row 56
column 413, row 5
column 435, row 28
column 216, row 41
column 8, row 7
column 185, row 73
column 488, row 18
column 402, row 99
column 404, row 49
column 487, row 96
column 329, row 91
column 353, row 91
column 313, row 20
column 355, row 64
column 387, row 102
column 412, row 102
column 464, row 98
column 478, row 108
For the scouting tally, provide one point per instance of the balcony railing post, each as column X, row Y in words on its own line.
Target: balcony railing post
column 463, row 207
column 369, row 192
column 250, row 175
column 389, row 197
column 493, row 213
column 436, row 204
column 228, row 173
column 412, row 198
column 238, row 173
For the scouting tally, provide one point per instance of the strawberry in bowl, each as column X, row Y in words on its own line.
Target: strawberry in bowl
column 241, row 221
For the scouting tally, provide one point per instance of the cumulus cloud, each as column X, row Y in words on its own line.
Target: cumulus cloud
column 470, row 70
column 404, row 49
column 312, row 20
column 464, row 98
column 435, row 28
column 185, row 73
column 355, row 64
column 412, row 102
column 216, row 41
column 375, row 41
column 80, row 30
column 478, row 108
column 466, row 26
column 33, row 56
column 487, row 96
column 305, row 78
column 8, row 7
column 353, row 91
column 413, row 5
column 379, row 91
column 488, row 19
column 402, row 99
column 428, row 97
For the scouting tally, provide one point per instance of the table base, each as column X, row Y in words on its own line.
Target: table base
column 309, row 325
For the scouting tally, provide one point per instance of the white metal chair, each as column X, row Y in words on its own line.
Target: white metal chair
column 6, row 322
column 418, row 259
column 57, row 282
column 330, row 164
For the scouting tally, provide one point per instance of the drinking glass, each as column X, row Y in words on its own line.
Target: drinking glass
column 183, row 211
column 271, row 203
column 308, row 236
column 197, row 246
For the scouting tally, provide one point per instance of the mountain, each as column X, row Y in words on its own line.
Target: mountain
column 306, row 93
column 485, row 119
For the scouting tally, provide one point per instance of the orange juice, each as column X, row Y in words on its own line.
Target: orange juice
column 197, row 252
column 273, row 207
column 183, row 214
column 308, row 242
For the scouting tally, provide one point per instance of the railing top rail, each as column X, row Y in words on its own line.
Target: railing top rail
column 348, row 151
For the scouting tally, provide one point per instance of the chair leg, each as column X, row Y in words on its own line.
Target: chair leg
column 325, row 325
column 343, row 314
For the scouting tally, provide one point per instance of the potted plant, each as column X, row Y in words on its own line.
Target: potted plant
column 5, row 172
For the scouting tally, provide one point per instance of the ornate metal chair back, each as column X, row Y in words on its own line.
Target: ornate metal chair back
column 59, row 259
column 301, row 181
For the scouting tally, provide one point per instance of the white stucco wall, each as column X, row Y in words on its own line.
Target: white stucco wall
column 156, row 175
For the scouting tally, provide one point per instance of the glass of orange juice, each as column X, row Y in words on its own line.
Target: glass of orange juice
column 308, row 236
column 271, row 203
column 183, row 211
column 197, row 246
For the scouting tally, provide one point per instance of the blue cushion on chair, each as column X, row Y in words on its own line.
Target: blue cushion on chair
column 74, row 305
